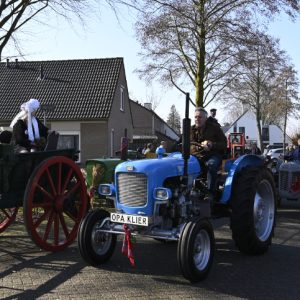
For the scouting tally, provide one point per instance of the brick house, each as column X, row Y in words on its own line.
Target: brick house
column 148, row 127
column 90, row 100
column 85, row 100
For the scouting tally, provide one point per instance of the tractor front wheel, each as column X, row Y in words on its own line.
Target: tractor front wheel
column 195, row 249
column 95, row 247
column 253, row 210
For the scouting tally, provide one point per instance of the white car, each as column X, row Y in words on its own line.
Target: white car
column 275, row 153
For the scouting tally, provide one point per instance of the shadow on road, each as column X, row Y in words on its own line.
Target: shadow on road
column 274, row 275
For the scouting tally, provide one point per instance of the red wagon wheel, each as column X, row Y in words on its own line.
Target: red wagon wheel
column 55, row 201
column 7, row 216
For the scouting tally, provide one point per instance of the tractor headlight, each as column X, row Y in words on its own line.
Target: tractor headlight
column 106, row 190
column 162, row 194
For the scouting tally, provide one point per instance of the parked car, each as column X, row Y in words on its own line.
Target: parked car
column 275, row 153
column 271, row 147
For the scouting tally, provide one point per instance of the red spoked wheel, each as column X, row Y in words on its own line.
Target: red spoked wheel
column 55, row 202
column 7, row 216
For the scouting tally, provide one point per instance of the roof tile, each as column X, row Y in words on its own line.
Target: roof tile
column 79, row 89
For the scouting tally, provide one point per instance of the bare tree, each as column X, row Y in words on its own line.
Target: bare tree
column 295, row 134
column 261, row 81
column 173, row 119
column 234, row 110
column 286, row 93
column 153, row 99
column 259, row 63
column 194, row 42
column 15, row 14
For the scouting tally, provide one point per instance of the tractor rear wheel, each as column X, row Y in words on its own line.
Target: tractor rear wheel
column 195, row 250
column 253, row 210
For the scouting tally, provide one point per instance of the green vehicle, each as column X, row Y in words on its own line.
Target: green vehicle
column 101, row 170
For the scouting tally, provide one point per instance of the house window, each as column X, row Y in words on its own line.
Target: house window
column 242, row 129
column 122, row 101
column 265, row 134
column 69, row 140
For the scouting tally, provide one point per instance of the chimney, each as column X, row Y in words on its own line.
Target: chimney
column 148, row 106
column 7, row 63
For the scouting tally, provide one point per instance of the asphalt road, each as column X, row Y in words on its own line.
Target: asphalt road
column 28, row 273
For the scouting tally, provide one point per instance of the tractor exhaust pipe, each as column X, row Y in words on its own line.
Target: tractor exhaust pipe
column 186, row 125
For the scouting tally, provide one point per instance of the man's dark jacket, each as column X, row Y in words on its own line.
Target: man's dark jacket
column 210, row 132
column 213, row 120
column 295, row 155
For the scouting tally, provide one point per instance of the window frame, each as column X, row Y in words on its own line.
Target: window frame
column 122, row 98
column 242, row 129
column 73, row 133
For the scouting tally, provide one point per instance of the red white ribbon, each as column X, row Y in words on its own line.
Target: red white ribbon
column 127, row 247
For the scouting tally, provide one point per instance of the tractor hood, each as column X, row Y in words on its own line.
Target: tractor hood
column 169, row 166
column 156, row 171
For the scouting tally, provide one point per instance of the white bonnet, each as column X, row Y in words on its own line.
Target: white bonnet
column 31, row 105
column 27, row 109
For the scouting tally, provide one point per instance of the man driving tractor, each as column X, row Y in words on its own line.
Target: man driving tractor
column 208, row 144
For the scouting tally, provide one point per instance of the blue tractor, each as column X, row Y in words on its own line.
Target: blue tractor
column 165, row 199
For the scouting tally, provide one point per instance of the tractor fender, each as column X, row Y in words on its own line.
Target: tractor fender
column 233, row 168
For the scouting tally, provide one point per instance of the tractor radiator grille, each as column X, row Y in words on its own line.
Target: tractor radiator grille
column 284, row 181
column 132, row 189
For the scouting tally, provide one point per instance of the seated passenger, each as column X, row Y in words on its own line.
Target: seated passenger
column 29, row 134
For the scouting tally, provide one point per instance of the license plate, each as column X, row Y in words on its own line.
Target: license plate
column 129, row 219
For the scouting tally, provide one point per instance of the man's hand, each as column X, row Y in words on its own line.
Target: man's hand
column 207, row 145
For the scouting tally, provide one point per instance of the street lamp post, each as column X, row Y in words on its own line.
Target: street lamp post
column 285, row 115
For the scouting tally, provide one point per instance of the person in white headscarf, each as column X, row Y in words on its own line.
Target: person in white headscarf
column 28, row 131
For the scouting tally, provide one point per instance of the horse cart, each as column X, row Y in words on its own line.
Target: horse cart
column 50, row 190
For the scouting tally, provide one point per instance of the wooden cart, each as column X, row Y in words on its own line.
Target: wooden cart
column 50, row 188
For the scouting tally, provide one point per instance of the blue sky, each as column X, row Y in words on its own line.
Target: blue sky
column 106, row 37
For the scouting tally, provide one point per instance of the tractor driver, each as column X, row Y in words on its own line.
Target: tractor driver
column 212, row 145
